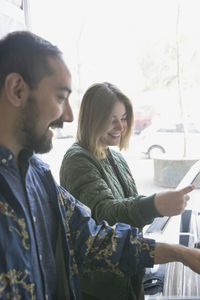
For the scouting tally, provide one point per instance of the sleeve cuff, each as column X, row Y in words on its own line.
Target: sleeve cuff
column 147, row 207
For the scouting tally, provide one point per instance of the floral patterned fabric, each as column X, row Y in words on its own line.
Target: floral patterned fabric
column 32, row 209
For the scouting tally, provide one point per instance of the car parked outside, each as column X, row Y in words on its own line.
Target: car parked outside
column 169, row 139
column 141, row 124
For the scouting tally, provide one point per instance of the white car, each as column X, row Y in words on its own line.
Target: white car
column 169, row 139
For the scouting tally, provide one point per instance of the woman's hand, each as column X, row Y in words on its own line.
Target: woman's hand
column 172, row 203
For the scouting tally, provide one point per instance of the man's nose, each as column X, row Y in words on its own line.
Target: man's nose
column 67, row 115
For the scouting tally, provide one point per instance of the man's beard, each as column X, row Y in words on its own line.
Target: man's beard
column 27, row 129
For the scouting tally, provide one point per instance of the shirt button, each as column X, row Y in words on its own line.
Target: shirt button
column 3, row 161
column 40, row 256
column 34, row 219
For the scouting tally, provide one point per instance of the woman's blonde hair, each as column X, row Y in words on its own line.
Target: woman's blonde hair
column 96, row 107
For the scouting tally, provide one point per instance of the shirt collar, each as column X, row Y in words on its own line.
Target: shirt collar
column 7, row 157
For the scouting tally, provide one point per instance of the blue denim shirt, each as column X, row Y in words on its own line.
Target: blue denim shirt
column 32, row 209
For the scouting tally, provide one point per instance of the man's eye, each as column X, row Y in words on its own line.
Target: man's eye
column 62, row 98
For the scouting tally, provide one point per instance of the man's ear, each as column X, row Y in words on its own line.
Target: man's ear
column 16, row 89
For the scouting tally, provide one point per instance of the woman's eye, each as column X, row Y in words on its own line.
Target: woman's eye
column 124, row 119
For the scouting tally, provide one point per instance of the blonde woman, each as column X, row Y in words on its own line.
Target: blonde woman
column 100, row 178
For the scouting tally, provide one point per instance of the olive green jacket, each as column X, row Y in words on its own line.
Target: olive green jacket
column 95, row 183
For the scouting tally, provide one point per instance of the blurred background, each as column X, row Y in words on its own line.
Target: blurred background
column 150, row 49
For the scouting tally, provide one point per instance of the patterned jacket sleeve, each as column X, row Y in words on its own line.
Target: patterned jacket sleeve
column 118, row 248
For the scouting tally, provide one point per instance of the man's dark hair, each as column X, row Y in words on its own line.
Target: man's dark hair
column 27, row 54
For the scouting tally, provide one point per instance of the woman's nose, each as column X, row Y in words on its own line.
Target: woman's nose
column 119, row 125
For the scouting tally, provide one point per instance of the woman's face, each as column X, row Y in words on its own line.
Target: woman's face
column 117, row 123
